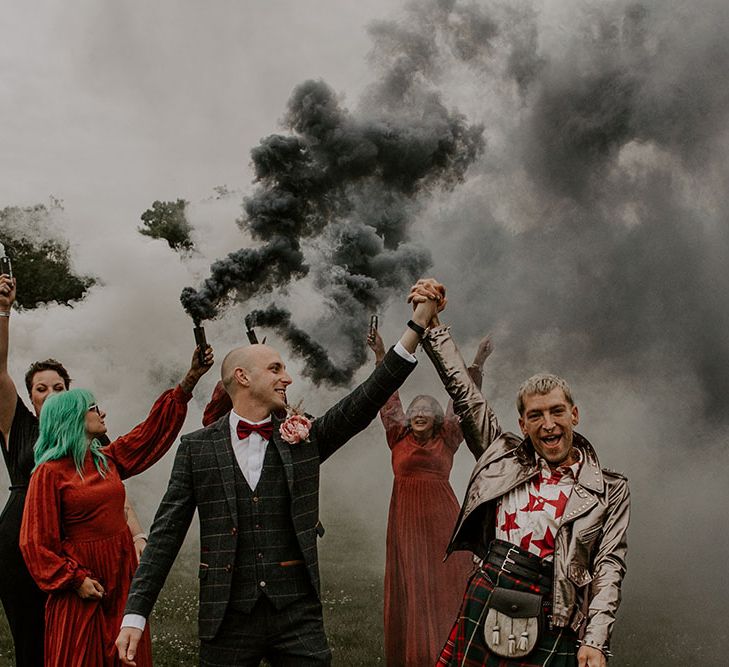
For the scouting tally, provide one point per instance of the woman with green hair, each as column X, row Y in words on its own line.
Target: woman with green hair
column 74, row 536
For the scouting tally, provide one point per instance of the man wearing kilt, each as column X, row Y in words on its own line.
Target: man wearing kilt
column 546, row 523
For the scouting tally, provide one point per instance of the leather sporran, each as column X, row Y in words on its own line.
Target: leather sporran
column 513, row 623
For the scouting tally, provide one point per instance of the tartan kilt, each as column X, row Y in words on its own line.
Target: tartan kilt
column 466, row 646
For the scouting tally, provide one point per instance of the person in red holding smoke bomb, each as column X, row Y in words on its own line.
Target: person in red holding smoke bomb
column 23, row 601
column 73, row 536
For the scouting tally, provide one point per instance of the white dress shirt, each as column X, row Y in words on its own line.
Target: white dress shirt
column 250, row 451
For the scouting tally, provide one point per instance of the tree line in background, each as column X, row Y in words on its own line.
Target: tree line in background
column 41, row 256
column 41, row 260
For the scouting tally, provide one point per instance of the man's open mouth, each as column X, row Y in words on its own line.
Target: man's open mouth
column 552, row 440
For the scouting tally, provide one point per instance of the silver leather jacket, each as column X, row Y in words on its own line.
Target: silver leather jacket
column 590, row 546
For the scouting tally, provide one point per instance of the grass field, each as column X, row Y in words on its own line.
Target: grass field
column 648, row 633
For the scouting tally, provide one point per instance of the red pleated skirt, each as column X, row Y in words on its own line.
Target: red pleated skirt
column 422, row 593
column 81, row 633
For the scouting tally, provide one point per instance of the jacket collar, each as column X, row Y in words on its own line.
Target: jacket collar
column 590, row 475
column 284, row 451
column 226, row 462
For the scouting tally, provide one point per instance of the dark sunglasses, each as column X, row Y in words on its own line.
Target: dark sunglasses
column 95, row 408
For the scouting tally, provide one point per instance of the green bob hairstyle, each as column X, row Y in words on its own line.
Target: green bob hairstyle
column 62, row 431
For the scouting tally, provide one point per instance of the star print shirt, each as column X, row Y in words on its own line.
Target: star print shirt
column 530, row 515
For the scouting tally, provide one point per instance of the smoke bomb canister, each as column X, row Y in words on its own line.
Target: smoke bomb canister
column 6, row 267
column 201, row 342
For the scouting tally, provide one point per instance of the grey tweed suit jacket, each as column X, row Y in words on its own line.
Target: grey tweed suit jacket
column 203, row 478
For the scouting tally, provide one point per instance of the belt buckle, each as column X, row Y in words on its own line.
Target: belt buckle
column 507, row 559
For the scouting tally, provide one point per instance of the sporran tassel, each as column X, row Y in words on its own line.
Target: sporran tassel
column 512, row 644
column 496, row 636
column 523, row 641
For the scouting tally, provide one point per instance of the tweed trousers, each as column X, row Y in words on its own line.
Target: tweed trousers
column 291, row 637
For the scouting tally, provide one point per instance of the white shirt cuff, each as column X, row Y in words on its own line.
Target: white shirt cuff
column 404, row 353
column 134, row 621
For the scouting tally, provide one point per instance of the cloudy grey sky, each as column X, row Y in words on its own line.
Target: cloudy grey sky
column 109, row 105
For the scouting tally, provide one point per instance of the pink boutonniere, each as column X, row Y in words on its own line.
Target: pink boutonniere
column 295, row 428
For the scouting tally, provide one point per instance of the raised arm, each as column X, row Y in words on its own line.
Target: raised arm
column 483, row 352
column 392, row 415
column 478, row 423
column 452, row 433
column 8, row 392
column 149, row 441
column 354, row 412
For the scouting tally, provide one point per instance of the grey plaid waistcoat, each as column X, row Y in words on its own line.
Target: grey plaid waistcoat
column 203, row 479
column 268, row 560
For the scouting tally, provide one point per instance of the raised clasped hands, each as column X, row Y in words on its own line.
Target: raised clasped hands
column 428, row 297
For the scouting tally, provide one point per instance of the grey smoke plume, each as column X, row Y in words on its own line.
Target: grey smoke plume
column 593, row 238
column 343, row 186
column 317, row 365
column 599, row 213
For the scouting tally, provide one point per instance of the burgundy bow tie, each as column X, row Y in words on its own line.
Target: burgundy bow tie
column 244, row 429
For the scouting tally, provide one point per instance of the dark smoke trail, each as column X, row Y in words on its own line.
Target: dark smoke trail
column 618, row 143
column 317, row 367
column 344, row 188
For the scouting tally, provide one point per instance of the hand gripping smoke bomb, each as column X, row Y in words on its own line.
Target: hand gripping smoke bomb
column 6, row 267
column 200, row 341
column 252, row 338
column 373, row 325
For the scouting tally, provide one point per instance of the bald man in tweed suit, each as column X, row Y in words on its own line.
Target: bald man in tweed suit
column 257, row 498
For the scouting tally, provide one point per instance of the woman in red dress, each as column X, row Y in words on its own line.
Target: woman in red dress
column 422, row 593
column 74, row 536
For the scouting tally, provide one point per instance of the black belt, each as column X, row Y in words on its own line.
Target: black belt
column 18, row 487
column 520, row 563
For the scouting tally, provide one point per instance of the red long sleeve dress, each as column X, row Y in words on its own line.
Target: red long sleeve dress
column 422, row 593
column 75, row 527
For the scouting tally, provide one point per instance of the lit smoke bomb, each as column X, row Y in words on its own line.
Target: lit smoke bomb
column 6, row 267
column 252, row 338
column 200, row 341
column 335, row 202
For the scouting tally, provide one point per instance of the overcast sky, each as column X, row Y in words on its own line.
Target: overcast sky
column 110, row 105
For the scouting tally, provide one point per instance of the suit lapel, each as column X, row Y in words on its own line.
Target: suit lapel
column 226, row 461
column 284, row 451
